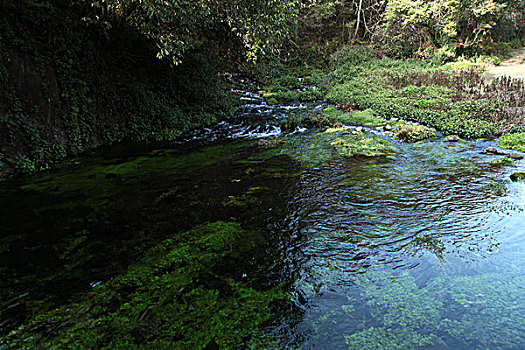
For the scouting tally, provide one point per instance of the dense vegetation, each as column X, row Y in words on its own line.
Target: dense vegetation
column 78, row 75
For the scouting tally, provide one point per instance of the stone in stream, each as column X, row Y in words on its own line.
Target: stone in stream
column 497, row 151
column 519, row 176
column 515, row 156
column 387, row 127
column 359, row 129
column 452, row 138
column 501, row 152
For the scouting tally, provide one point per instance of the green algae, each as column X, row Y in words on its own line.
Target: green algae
column 241, row 202
column 96, row 184
column 513, row 141
column 177, row 296
column 308, row 151
column 382, row 338
column 358, row 145
column 408, row 316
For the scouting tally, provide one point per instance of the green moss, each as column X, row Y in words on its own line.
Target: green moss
column 176, row 297
column 513, row 141
column 413, row 133
column 336, row 129
column 358, row 145
column 501, row 161
column 272, row 101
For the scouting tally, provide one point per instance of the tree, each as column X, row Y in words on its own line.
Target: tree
column 415, row 26
column 176, row 26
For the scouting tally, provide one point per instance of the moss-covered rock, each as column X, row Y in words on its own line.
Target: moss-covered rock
column 452, row 138
column 518, row 177
column 358, row 145
column 501, row 161
column 413, row 133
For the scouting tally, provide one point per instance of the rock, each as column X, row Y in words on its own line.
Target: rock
column 388, row 127
column 359, row 129
column 501, row 161
column 355, row 132
column 452, row 138
column 515, row 156
column 394, row 119
column 519, row 176
column 262, row 142
column 498, row 151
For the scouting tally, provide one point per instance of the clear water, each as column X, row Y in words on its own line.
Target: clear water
column 423, row 250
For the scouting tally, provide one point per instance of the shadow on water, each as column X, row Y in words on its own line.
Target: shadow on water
column 420, row 250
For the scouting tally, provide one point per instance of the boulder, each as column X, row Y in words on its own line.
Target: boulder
column 519, row 176
column 515, row 156
column 495, row 150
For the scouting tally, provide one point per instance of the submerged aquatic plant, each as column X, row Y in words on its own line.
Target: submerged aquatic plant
column 178, row 296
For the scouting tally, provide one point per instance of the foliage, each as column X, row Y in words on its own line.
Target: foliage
column 177, row 27
column 461, row 103
column 366, row 118
column 413, row 133
column 177, row 296
column 413, row 26
column 80, row 94
column 513, row 141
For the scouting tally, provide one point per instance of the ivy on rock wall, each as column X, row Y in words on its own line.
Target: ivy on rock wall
column 65, row 89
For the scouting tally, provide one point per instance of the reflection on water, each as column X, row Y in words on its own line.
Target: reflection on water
column 423, row 250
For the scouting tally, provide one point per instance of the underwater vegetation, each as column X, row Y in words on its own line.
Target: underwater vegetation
column 188, row 292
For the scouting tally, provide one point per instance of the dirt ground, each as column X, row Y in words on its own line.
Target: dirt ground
column 514, row 66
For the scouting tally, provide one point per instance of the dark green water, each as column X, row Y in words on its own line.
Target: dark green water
column 421, row 250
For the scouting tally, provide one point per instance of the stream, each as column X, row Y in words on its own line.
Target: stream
column 424, row 249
